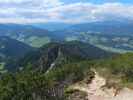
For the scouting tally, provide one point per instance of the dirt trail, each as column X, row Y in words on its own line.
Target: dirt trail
column 95, row 91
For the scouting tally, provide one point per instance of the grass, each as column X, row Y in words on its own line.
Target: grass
column 37, row 41
column 2, row 64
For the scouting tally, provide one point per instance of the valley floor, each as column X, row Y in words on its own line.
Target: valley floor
column 96, row 90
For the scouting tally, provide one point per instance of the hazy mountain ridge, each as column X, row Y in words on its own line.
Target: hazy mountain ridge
column 105, row 27
column 52, row 26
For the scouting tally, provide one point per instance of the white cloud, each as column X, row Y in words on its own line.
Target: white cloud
column 29, row 11
column 11, row 1
column 85, row 12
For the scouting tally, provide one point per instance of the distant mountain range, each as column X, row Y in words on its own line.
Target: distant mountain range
column 105, row 27
column 52, row 26
column 20, row 29
column 39, row 34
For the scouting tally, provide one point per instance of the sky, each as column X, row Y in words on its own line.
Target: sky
column 67, row 11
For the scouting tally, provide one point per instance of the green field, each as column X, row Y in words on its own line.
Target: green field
column 2, row 65
column 37, row 41
column 72, row 38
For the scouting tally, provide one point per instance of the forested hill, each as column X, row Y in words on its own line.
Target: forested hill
column 59, row 53
column 13, row 48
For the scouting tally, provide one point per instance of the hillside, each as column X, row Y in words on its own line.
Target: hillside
column 112, row 80
column 73, row 81
column 35, row 85
column 56, row 53
column 11, row 50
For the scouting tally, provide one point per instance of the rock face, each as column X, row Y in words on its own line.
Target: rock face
column 96, row 91
column 46, row 60
column 125, row 94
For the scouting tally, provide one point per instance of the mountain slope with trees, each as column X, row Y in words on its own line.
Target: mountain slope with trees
column 36, row 85
column 57, row 53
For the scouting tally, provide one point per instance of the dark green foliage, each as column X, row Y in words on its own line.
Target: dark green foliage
column 32, row 85
column 26, row 86
column 120, row 66
column 76, row 70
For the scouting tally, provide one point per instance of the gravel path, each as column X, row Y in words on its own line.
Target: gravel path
column 95, row 92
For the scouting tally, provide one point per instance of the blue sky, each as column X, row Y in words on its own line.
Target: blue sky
column 68, row 11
